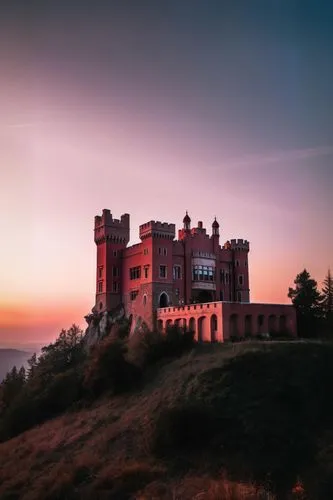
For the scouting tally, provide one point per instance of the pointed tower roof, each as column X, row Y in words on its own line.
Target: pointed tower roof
column 215, row 224
column 187, row 219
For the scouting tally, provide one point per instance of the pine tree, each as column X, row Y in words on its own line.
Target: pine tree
column 307, row 300
column 327, row 301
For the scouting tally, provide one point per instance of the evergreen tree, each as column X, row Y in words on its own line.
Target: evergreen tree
column 32, row 363
column 307, row 300
column 11, row 386
column 327, row 301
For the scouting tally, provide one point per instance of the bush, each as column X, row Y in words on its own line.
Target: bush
column 183, row 428
column 108, row 369
column 150, row 347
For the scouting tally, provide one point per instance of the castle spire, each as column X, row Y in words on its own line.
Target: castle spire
column 187, row 221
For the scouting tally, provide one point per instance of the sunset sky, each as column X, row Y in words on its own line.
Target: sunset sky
column 153, row 107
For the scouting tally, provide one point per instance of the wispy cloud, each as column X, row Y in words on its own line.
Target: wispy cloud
column 282, row 156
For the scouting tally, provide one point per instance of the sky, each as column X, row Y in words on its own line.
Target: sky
column 218, row 107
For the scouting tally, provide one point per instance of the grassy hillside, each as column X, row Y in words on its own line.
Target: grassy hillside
column 211, row 424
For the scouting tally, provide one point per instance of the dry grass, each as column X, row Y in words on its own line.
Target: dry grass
column 104, row 451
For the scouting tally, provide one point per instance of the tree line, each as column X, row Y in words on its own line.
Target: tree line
column 314, row 307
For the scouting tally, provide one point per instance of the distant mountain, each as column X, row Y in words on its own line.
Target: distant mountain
column 10, row 358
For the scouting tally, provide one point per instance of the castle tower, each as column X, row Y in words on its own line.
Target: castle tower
column 240, row 250
column 158, row 237
column 215, row 236
column 111, row 237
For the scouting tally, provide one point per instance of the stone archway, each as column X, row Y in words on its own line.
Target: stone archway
column 163, row 300
column 260, row 324
column 168, row 324
column 282, row 324
column 202, row 328
column 271, row 323
column 213, row 328
column 191, row 326
column 248, row 325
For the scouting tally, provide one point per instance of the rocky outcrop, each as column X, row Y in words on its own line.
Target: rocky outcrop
column 101, row 324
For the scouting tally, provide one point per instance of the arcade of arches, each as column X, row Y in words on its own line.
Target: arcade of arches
column 219, row 321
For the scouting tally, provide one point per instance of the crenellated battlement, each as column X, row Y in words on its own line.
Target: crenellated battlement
column 239, row 244
column 109, row 229
column 157, row 229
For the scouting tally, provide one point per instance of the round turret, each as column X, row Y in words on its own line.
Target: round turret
column 215, row 227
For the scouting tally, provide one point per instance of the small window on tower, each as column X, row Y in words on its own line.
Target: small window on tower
column 240, row 279
column 237, row 263
column 239, row 296
column 134, row 294
column 115, row 253
column 165, row 251
column 100, row 286
column 115, row 271
column 163, row 271
column 177, row 273
column 115, row 287
column 146, row 270
column 135, row 273
column 245, row 263
column 100, row 272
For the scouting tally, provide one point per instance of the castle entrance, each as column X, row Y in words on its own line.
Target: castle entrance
column 164, row 300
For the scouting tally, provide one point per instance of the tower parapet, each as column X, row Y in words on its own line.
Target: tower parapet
column 157, row 229
column 239, row 245
column 109, row 229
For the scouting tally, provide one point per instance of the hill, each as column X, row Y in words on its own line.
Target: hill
column 210, row 424
column 10, row 358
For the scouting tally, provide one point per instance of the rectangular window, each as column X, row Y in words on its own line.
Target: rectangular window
column 203, row 273
column 177, row 291
column 115, row 287
column 237, row 263
column 240, row 279
column 135, row 273
column 221, row 295
column 177, row 272
column 115, row 271
column 222, row 276
column 100, row 272
column 134, row 294
column 227, row 278
column 163, row 271
column 100, row 286
column 245, row 263
column 145, row 251
column 146, row 270
column 162, row 251
column 115, row 253
column 165, row 251
column 239, row 296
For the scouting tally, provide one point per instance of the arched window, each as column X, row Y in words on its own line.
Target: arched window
column 164, row 300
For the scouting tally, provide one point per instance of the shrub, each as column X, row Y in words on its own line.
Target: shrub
column 149, row 347
column 183, row 428
column 108, row 369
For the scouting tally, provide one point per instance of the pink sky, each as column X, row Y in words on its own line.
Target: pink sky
column 70, row 147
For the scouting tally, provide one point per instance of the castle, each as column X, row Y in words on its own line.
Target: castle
column 193, row 281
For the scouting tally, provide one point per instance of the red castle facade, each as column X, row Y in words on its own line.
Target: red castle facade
column 193, row 281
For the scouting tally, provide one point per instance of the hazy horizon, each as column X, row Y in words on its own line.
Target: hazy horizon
column 220, row 108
